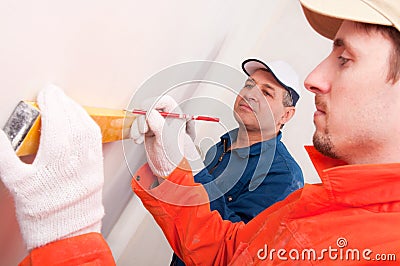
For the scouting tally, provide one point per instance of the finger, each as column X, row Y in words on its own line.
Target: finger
column 142, row 124
column 65, row 124
column 53, row 113
column 155, row 122
column 134, row 131
column 10, row 164
column 55, row 122
column 138, row 129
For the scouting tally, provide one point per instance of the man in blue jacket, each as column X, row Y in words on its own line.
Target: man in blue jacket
column 250, row 168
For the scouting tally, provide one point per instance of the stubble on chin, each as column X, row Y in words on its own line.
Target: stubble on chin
column 323, row 144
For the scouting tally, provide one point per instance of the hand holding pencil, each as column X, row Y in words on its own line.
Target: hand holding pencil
column 166, row 142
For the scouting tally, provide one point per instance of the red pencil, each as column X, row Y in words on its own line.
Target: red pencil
column 183, row 116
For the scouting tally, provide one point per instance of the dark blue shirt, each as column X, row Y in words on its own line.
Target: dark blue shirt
column 243, row 182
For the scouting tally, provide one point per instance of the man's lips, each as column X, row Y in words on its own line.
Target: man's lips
column 320, row 105
column 320, row 111
column 245, row 106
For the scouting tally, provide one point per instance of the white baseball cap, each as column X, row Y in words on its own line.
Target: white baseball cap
column 282, row 72
column 326, row 16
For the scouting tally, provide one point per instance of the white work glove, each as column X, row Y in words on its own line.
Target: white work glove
column 59, row 195
column 191, row 129
column 193, row 154
column 166, row 139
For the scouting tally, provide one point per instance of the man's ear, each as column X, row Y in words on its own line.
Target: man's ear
column 288, row 114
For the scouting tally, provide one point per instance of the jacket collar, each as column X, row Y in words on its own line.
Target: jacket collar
column 359, row 184
column 255, row 149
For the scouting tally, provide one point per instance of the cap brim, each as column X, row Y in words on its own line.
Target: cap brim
column 326, row 16
column 249, row 66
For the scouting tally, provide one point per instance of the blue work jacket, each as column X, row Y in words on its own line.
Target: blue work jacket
column 243, row 182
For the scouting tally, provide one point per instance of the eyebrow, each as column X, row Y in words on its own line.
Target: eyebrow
column 249, row 79
column 337, row 43
column 267, row 85
column 270, row 87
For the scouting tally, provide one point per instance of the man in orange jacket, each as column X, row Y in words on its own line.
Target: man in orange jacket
column 351, row 217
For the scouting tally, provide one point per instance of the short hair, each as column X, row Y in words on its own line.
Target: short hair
column 287, row 100
column 393, row 35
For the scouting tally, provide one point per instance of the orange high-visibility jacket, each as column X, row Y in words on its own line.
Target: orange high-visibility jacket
column 351, row 218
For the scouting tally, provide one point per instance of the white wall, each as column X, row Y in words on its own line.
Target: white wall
column 101, row 51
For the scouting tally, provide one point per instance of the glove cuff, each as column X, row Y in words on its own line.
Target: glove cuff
column 66, row 221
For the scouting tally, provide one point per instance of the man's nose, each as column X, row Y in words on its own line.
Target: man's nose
column 251, row 94
column 318, row 81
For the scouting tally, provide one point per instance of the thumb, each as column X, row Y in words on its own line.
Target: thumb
column 138, row 129
column 10, row 164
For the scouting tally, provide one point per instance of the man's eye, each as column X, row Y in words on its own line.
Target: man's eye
column 266, row 93
column 248, row 86
column 342, row 60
